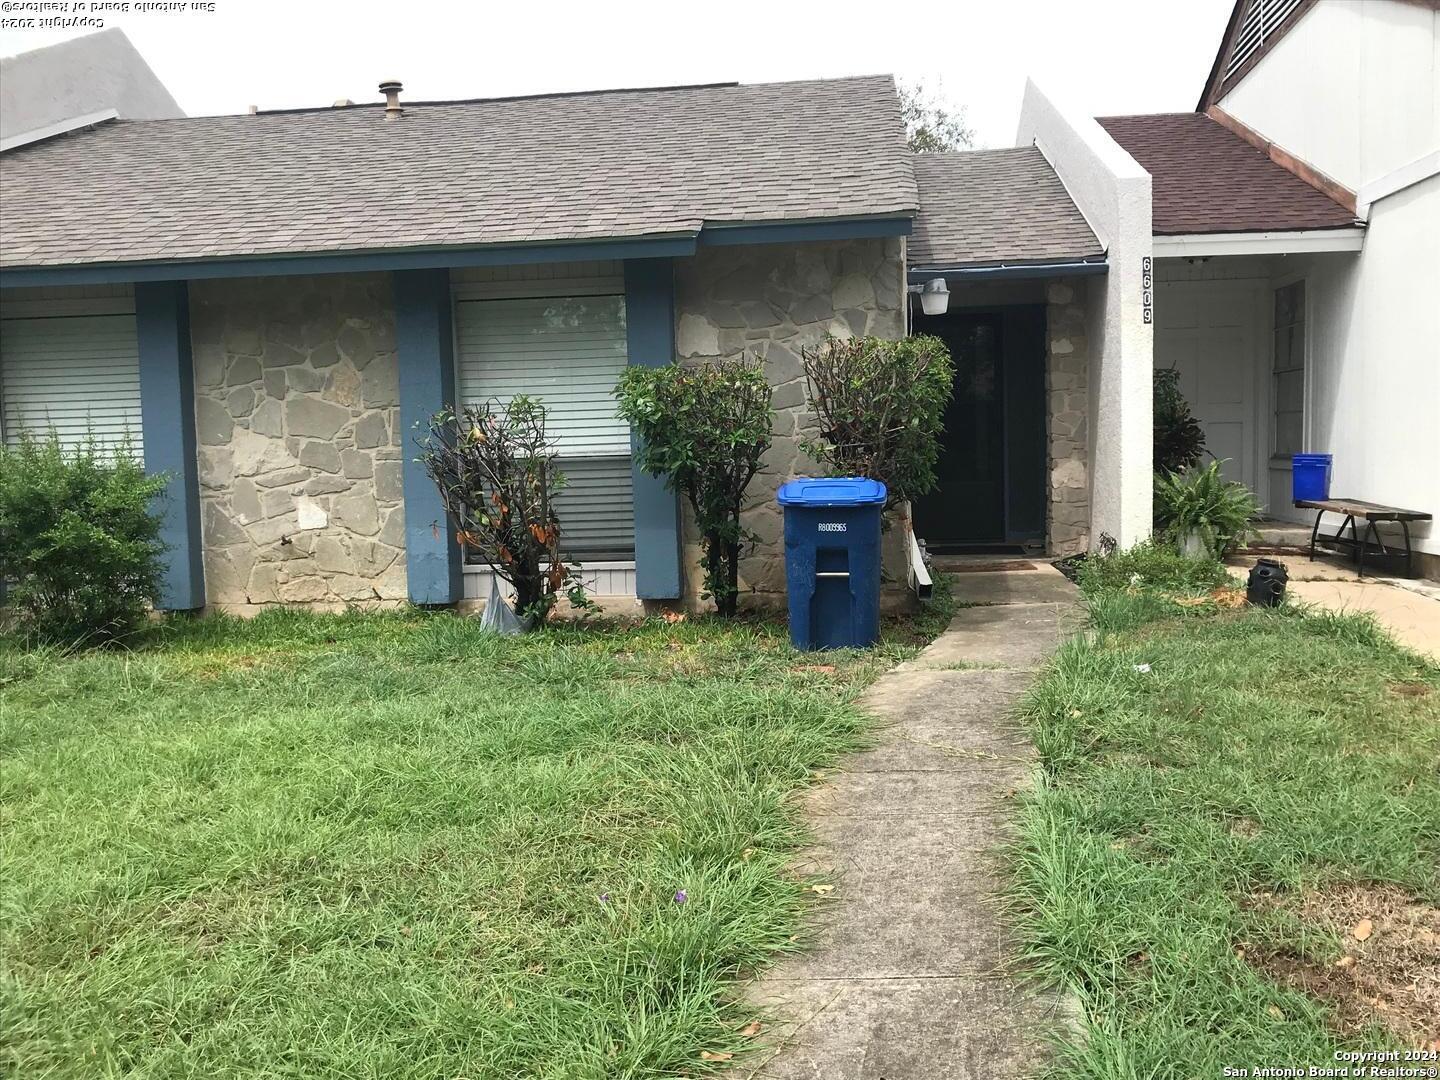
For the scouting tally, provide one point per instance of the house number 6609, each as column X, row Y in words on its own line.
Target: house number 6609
column 1147, row 289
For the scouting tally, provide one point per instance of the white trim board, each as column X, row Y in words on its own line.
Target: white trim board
column 1204, row 245
column 1422, row 168
column 60, row 127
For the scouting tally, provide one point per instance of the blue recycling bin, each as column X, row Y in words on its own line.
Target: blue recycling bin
column 1310, row 477
column 832, row 561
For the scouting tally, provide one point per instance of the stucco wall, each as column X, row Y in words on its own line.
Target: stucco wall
column 296, row 394
column 74, row 78
column 770, row 301
column 1113, row 192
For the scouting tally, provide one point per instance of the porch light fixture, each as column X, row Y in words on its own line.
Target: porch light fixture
column 934, row 296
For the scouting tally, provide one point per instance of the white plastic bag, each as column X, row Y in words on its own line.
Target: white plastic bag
column 497, row 615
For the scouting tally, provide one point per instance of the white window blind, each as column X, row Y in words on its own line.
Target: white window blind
column 567, row 352
column 76, row 374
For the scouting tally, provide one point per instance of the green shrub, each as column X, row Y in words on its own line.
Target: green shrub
column 704, row 429
column 1150, row 565
column 1202, row 502
column 1179, row 439
column 78, row 541
column 881, row 408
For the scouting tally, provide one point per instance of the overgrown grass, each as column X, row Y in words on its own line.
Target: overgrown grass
column 1261, row 752
column 393, row 845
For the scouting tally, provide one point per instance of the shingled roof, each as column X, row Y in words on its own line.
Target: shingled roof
column 614, row 164
column 1207, row 179
column 995, row 207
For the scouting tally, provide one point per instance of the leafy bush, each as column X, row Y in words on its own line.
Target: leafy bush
column 704, row 429
column 1203, row 503
column 495, row 469
column 881, row 407
column 78, row 540
column 1150, row 565
column 1179, row 439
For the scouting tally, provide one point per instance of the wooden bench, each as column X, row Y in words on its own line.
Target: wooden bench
column 1369, row 513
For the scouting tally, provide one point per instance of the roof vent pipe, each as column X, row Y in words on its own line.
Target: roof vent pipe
column 391, row 89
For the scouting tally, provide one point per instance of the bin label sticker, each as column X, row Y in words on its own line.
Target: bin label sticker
column 831, row 526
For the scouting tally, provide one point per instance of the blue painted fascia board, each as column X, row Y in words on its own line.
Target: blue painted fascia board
column 650, row 341
column 425, row 347
column 917, row 275
column 777, row 232
column 795, row 232
column 167, row 424
column 355, row 262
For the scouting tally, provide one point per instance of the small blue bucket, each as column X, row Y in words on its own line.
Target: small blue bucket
column 1310, row 477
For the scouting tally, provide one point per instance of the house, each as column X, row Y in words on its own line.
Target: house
column 1296, row 239
column 270, row 304
column 81, row 81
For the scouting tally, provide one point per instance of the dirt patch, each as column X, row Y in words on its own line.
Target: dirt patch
column 1388, row 971
column 1244, row 827
column 1408, row 689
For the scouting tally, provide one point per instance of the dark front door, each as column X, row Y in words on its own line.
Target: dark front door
column 990, row 489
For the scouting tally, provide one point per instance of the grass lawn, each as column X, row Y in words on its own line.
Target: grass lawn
column 392, row 845
column 1234, row 856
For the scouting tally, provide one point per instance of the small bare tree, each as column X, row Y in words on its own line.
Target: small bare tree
column 495, row 469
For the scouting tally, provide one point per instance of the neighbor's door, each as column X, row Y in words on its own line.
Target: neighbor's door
column 1209, row 331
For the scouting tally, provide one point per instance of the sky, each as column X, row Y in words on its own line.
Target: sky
column 1093, row 56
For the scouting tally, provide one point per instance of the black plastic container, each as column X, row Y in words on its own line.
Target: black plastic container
column 1267, row 583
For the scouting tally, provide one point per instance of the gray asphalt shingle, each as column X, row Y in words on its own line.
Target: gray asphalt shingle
column 619, row 164
column 993, row 207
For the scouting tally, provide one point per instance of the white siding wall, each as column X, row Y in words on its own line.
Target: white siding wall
column 1352, row 89
column 1373, row 327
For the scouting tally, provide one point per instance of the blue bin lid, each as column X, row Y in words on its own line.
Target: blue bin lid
column 832, row 491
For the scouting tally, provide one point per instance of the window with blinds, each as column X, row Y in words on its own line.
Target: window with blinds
column 74, row 374
column 1287, row 370
column 568, row 352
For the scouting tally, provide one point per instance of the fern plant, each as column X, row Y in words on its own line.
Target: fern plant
column 1202, row 504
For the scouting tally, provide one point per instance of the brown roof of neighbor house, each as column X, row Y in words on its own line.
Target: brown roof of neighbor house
column 993, row 207
column 613, row 164
column 1206, row 179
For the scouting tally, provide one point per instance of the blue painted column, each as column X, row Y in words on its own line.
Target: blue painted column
column 167, row 424
column 650, row 340
column 427, row 383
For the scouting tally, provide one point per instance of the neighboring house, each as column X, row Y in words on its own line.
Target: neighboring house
column 272, row 303
column 1297, row 248
column 78, row 82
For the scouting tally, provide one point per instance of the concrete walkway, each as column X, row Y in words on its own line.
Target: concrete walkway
column 905, row 980
column 1408, row 608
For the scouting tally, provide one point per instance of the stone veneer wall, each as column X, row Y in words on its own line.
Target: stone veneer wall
column 296, row 387
column 1066, row 385
column 770, row 301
